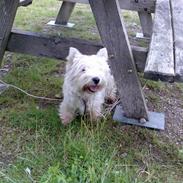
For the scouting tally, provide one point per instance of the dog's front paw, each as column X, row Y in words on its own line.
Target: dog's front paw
column 95, row 116
column 66, row 118
column 111, row 99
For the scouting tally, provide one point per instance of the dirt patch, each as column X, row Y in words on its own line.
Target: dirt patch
column 59, row 71
column 169, row 100
column 8, row 150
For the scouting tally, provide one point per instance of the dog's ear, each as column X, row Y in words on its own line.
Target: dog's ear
column 72, row 53
column 103, row 53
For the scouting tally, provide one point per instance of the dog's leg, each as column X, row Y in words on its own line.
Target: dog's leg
column 94, row 107
column 66, row 112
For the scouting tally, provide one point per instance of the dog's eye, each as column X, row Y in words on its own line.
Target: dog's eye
column 83, row 70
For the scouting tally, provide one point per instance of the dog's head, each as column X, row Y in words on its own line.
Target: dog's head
column 87, row 73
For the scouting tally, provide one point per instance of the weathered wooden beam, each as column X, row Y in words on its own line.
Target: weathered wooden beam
column 57, row 47
column 47, row 46
column 114, row 37
column 160, row 61
column 146, row 23
column 134, row 5
column 64, row 13
column 177, row 14
column 8, row 10
column 25, row 2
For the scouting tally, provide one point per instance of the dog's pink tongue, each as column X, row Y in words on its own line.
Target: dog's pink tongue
column 94, row 88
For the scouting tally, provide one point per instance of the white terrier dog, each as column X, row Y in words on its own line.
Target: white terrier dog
column 88, row 81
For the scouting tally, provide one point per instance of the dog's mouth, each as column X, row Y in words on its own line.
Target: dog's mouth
column 92, row 88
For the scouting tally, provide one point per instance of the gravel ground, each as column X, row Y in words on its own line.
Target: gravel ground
column 169, row 102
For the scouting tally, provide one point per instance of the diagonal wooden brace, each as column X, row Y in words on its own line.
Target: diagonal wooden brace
column 114, row 37
column 8, row 10
column 146, row 23
column 65, row 13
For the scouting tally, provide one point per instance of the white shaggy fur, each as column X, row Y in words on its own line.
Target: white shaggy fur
column 88, row 81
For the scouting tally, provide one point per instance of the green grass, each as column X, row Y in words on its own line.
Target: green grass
column 86, row 152
column 34, row 139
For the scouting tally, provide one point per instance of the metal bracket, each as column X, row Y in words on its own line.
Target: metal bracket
column 140, row 35
column 68, row 25
column 156, row 120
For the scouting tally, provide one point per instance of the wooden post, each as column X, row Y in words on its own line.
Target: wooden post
column 65, row 13
column 115, row 39
column 8, row 10
column 146, row 23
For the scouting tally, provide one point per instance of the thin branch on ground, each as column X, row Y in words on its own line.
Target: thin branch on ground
column 28, row 94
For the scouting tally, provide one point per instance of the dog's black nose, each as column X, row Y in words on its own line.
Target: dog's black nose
column 96, row 80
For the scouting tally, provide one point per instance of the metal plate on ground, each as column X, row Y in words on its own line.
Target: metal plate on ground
column 156, row 120
column 52, row 23
column 140, row 35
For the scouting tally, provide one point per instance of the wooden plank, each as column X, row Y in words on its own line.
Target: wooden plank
column 134, row 5
column 57, row 47
column 177, row 17
column 146, row 23
column 65, row 13
column 160, row 61
column 115, row 39
column 25, row 2
column 8, row 10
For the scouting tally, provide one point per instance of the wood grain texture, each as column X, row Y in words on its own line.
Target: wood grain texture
column 177, row 17
column 57, row 47
column 115, row 39
column 146, row 23
column 8, row 10
column 160, row 60
column 140, row 5
column 65, row 13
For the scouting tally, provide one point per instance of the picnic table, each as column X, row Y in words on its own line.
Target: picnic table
column 165, row 58
column 162, row 60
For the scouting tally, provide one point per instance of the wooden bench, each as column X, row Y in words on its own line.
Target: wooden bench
column 143, row 7
column 165, row 57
